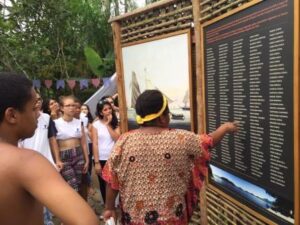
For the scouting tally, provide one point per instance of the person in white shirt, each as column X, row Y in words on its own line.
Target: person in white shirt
column 87, row 119
column 85, row 185
column 72, row 156
column 105, row 132
column 43, row 135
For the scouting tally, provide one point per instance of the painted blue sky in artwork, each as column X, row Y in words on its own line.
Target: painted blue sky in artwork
column 245, row 185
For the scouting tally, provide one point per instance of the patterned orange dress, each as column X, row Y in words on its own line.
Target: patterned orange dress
column 158, row 175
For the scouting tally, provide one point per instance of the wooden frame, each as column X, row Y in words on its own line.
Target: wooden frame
column 116, row 27
column 296, row 112
column 156, row 19
column 121, row 75
column 199, row 84
column 141, row 10
column 237, row 203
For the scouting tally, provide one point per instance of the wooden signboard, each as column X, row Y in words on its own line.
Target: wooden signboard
column 251, row 74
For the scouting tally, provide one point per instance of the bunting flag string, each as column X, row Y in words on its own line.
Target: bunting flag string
column 61, row 84
column 84, row 84
column 71, row 84
column 96, row 82
column 36, row 84
column 48, row 83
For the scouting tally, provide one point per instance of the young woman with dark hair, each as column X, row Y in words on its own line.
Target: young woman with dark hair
column 112, row 101
column 158, row 170
column 51, row 107
column 105, row 132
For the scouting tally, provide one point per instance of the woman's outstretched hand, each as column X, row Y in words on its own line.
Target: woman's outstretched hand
column 221, row 131
column 232, row 127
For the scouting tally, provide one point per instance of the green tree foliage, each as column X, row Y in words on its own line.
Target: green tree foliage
column 46, row 38
column 93, row 60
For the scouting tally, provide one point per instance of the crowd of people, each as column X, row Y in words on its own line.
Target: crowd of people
column 157, row 171
column 72, row 140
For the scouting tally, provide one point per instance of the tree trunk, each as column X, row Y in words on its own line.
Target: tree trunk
column 117, row 9
column 126, row 6
column 107, row 7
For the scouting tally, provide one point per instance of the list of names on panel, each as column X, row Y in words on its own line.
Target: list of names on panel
column 249, row 78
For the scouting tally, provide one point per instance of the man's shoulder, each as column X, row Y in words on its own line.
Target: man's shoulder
column 10, row 154
column 12, row 160
column 20, row 164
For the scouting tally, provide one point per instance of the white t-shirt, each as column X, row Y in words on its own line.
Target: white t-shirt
column 40, row 141
column 105, row 141
column 68, row 129
column 85, row 122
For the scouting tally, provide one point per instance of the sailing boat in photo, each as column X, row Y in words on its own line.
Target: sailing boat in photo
column 150, row 85
column 135, row 90
column 139, row 82
column 186, row 101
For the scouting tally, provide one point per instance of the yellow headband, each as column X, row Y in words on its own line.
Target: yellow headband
column 153, row 116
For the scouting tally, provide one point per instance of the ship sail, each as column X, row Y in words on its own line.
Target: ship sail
column 135, row 92
column 150, row 85
column 135, row 89
column 186, row 100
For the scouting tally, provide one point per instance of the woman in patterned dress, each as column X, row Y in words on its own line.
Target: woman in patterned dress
column 157, row 170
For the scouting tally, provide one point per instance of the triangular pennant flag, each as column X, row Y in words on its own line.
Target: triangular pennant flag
column 60, row 84
column 71, row 83
column 84, row 83
column 36, row 84
column 96, row 82
column 48, row 83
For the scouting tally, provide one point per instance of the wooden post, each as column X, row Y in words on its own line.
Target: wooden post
column 119, row 69
column 199, row 99
column 199, row 85
column 296, row 113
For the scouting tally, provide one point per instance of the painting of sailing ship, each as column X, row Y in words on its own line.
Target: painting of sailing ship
column 162, row 64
